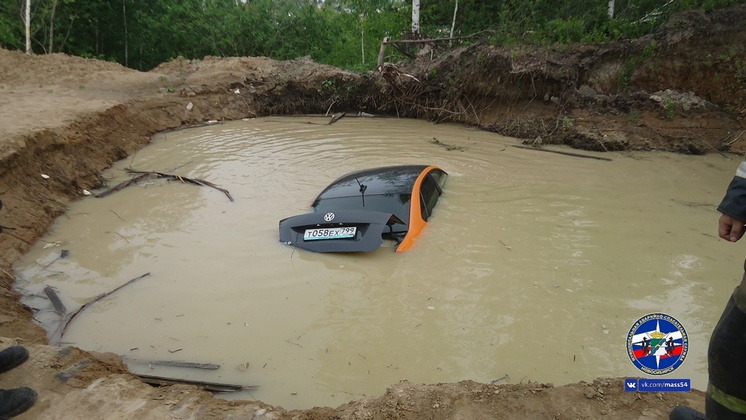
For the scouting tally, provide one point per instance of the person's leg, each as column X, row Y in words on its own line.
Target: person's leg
column 726, row 392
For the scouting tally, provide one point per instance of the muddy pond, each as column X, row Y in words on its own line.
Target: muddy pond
column 534, row 265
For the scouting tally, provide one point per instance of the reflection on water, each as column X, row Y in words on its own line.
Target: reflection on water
column 534, row 265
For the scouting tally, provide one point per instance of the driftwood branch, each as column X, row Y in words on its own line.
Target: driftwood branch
column 146, row 174
column 191, row 365
column 71, row 317
column 209, row 386
column 123, row 185
column 562, row 153
column 336, row 117
column 174, row 363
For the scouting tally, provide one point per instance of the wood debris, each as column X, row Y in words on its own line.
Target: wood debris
column 208, row 386
column 142, row 175
column 172, row 363
column 560, row 152
column 56, row 302
column 336, row 117
column 70, row 317
column 190, row 365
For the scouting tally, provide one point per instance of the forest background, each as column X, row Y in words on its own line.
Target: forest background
column 142, row 34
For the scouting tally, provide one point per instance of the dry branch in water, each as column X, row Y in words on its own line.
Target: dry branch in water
column 172, row 363
column 559, row 152
column 69, row 319
column 209, row 386
column 147, row 174
column 337, row 117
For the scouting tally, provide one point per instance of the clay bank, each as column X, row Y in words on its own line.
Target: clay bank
column 681, row 90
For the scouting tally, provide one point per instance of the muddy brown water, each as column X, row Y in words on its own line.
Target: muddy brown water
column 534, row 267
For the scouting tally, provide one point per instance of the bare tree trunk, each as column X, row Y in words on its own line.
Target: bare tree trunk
column 611, row 9
column 362, row 40
column 50, row 49
column 415, row 17
column 382, row 53
column 27, row 22
column 126, row 44
column 453, row 23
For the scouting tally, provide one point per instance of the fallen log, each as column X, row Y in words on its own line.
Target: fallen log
column 173, row 363
column 146, row 174
column 559, row 152
column 191, row 365
column 208, row 386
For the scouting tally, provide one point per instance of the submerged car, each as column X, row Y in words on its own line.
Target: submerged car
column 360, row 210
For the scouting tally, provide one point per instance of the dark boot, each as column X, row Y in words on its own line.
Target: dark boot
column 685, row 413
column 15, row 401
column 12, row 357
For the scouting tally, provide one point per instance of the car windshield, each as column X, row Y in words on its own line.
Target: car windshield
column 396, row 204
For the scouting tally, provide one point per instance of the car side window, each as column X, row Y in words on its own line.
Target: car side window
column 429, row 191
column 439, row 176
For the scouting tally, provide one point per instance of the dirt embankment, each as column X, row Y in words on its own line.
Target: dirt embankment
column 682, row 89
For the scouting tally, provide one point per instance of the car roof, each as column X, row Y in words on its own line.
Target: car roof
column 377, row 181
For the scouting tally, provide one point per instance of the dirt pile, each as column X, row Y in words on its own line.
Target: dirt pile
column 682, row 89
column 69, row 118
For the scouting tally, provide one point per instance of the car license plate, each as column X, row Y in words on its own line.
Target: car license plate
column 329, row 233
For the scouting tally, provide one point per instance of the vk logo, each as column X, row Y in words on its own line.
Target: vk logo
column 630, row 385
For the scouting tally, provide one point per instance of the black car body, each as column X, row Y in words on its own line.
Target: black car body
column 359, row 210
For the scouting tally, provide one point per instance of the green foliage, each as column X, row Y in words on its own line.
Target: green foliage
column 566, row 30
column 625, row 74
column 343, row 33
column 649, row 49
column 9, row 30
column 669, row 108
column 328, row 85
column 635, row 115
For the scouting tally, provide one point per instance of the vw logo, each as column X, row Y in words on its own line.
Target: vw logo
column 329, row 217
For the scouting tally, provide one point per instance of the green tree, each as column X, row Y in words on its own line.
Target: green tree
column 344, row 33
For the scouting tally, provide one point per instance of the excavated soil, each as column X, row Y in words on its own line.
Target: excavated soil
column 681, row 89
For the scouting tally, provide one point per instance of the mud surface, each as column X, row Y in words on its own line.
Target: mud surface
column 65, row 119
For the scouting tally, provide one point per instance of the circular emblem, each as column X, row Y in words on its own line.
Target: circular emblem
column 329, row 217
column 657, row 344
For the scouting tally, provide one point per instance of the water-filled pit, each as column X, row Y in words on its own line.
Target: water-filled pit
column 534, row 265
